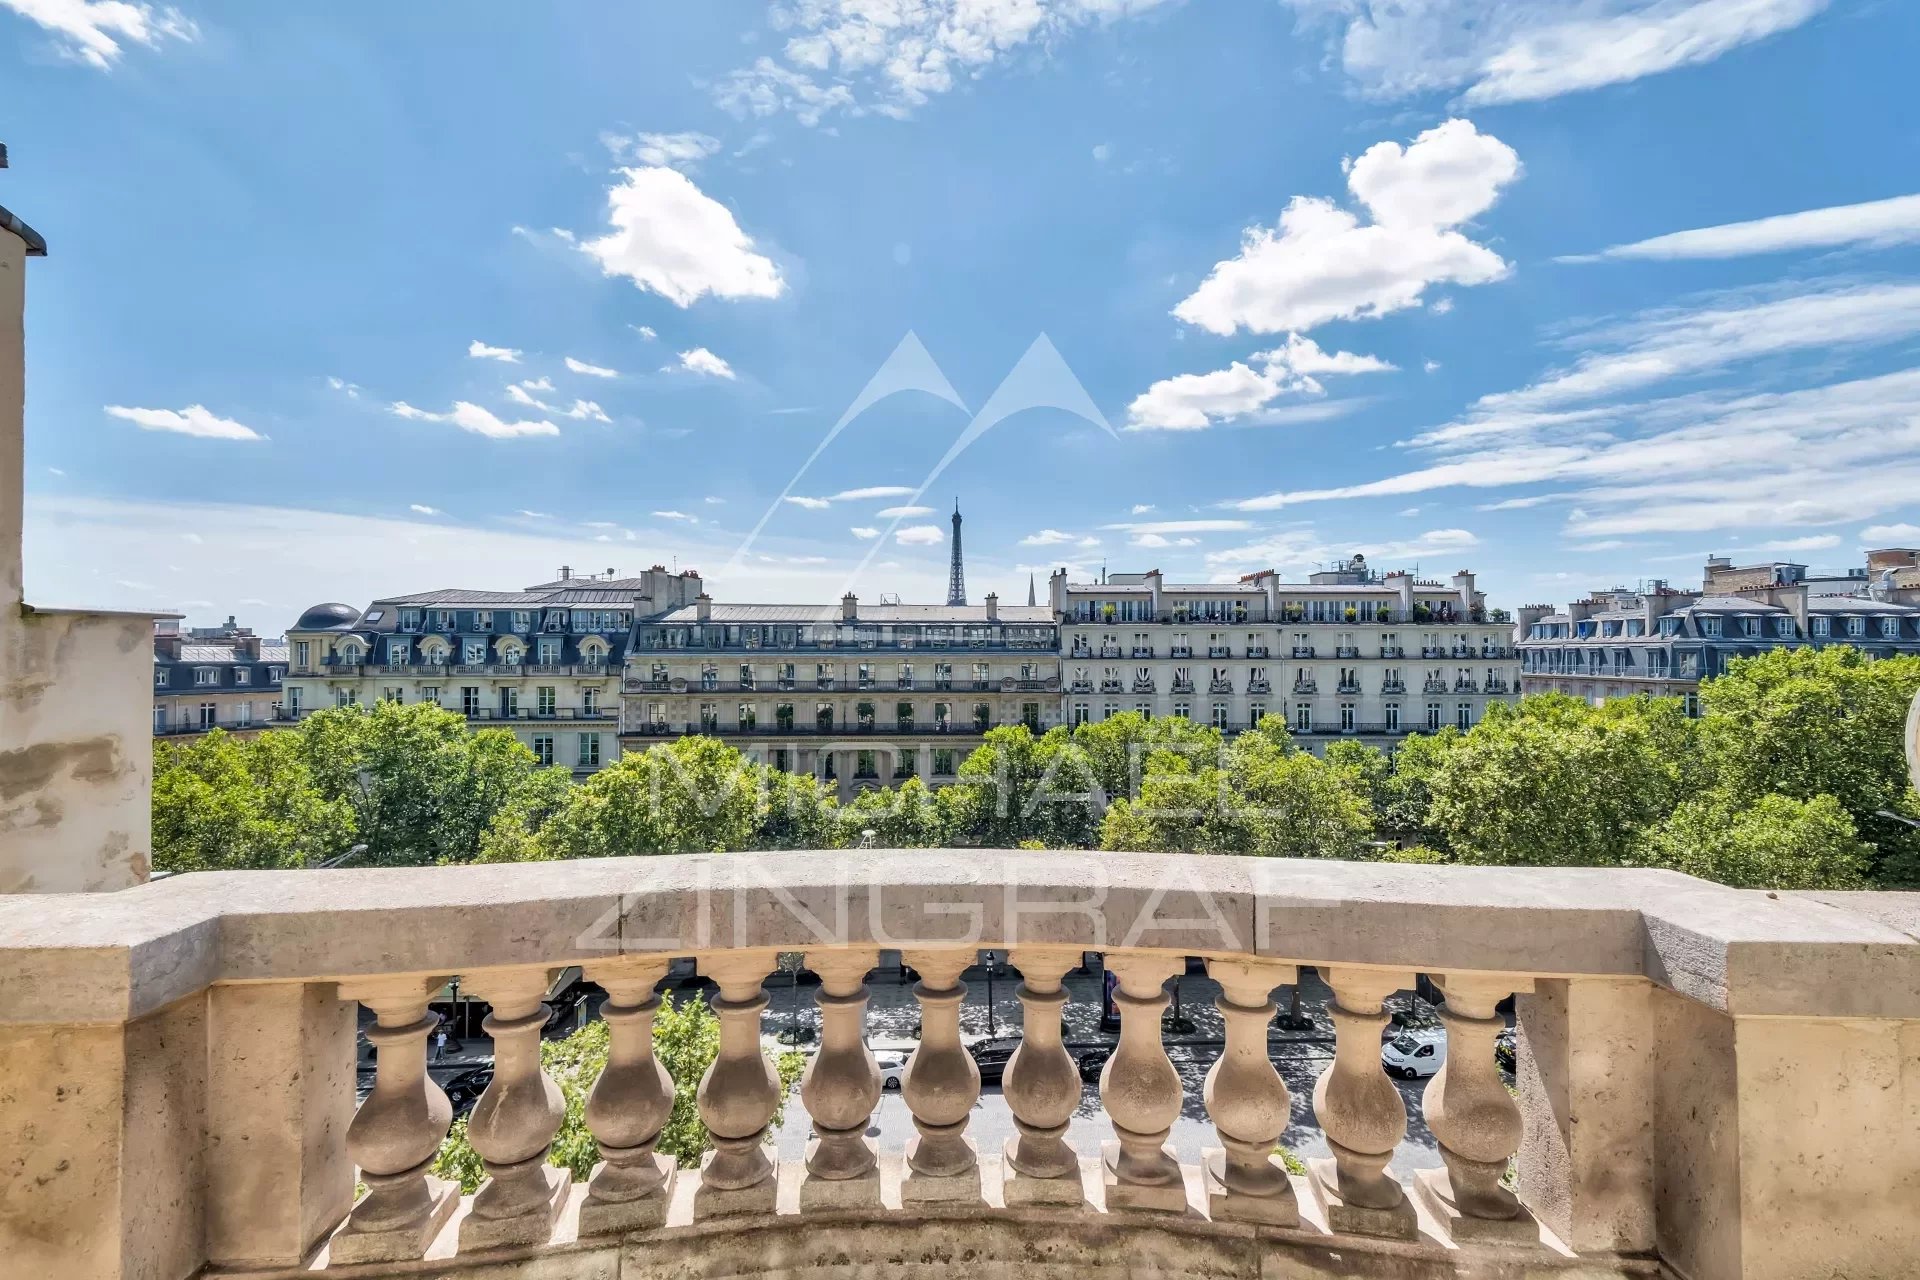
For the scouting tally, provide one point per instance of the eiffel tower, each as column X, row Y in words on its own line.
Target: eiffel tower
column 956, row 576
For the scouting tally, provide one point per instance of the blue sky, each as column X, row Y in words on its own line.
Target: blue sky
column 355, row 299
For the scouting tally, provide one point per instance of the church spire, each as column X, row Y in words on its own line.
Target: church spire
column 956, row 575
column 1032, row 599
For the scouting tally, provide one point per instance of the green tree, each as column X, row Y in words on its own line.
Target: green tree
column 1294, row 805
column 686, row 1040
column 224, row 803
column 1557, row 782
column 800, row 812
column 1809, row 722
column 1777, row 842
column 692, row 795
column 1022, row 787
column 513, row 835
column 1115, row 750
column 903, row 817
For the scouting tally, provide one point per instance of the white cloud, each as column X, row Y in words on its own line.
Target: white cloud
column 671, row 238
column 1046, row 538
column 1891, row 534
column 536, row 515
column 872, row 491
column 541, row 383
column 1812, row 542
column 194, row 420
column 588, row 409
column 675, row 515
column 55, row 471
column 1669, row 344
column 646, row 331
column 471, row 417
column 887, row 58
column 1520, row 504
column 811, row 504
column 1431, row 366
column 421, row 509
column 1323, row 263
column 91, row 30
column 1180, row 526
column 1303, row 547
column 1154, row 541
column 1877, row 224
column 702, row 361
column 518, row 393
column 1194, row 401
column 1102, row 152
column 351, row 390
column 902, row 513
column 479, row 350
column 713, row 502
column 920, row 535
column 865, row 533
column 1516, row 52
column 664, row 148
column 1141, row 508
column 591, row 370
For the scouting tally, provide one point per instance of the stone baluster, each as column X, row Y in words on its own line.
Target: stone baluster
column 1474, row 1118
column 629, row 1105
column 1141, row 1091
column 1360, row 1112
column 740, row 1093
column 841, row 1086
column 940, row 1085
column 1248, row 1100
column 513, row 1124
column 397, row 1131
column 1042, row 1086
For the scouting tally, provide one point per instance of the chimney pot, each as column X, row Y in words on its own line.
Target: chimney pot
column 703, row 607
column 849, row 607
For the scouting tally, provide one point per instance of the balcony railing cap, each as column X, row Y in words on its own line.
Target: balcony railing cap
column 110, row 957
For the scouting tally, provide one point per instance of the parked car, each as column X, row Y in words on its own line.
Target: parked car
column 1093, row 1061
column 893, row 1067
column 1413, row 1054
column 992, row 1056
column 464, row 1089
column 1504, row 1052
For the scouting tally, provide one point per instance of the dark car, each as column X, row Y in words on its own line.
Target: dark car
column 992, row 1056
column 1503, row 1050
column 1092, row 1062
column 464, row 1089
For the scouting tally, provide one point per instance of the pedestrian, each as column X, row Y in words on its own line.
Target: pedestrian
column 440, row 1043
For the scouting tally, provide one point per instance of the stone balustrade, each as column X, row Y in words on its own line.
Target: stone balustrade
column 1711, row 1083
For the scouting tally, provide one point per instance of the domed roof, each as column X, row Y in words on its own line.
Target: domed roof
column 326, row 617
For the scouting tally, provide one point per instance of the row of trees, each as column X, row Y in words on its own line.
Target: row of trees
column 1791, row 777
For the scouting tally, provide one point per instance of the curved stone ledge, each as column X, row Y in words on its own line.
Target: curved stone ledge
column 116, row 956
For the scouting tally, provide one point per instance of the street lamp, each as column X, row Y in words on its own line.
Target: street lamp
column 990, row 1024
column 349, row 855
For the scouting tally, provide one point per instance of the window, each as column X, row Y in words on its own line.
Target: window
column 980, row 672
column 709, row 676
column 1433, row 717
column 823, row 717
column 1890, row 628
column 589, row 751
column 782, row 758
column 470, row 701
column 903, row 716
column 159, row 719
column 509, row 702
column 523, row 620
column 159, row 677
column 544, row 700
column 1856, row 626
column 1393, row 717
column 398, row 651
column 475, row 653
column 430, row 694
column 1464, row 716
column 302, row 653
column 393, row 693
column 943, row 762
column 206, row 675
column 1302, row 718
column 589, row 702
column 983, row 717
column 906, row 764
column 1080, row 713
column 1822, row 626
column 1030, row 715
column 209, row 715
column 783, row 717
column 483, row 620
column 1184, row 710
column 543, row 750
column 943, row 675
column 243, row 675
column 1256, row 712
column 746, row 675
column 346, row 697
column 1220, row 716
column 1346, row 717
column 295, row 696
column 709, row 717
column 749, row 717
column 549, row 652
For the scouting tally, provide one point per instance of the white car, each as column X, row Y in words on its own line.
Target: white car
column 893, row 1066
column 1413, row 1054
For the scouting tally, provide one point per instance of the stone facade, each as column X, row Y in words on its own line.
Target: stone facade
column 1349, row 653
column 210, row 678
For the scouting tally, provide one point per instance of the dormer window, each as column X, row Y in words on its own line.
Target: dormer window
column 1822, row 627
column 1890, row 628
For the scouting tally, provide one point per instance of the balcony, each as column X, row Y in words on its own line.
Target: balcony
column 1080, row 686
column 181, row 1072
column 1259, row 686
column 1392, row 651
column 1393, row 686
column 1080, row 651
column 1434, row 686
column 1143, row 686
column 1180, row 651
column 1111, row 686
column 1465, row 686
column 1346, row 651
column 1219, row 651
column 1221, row 685
column 1109, row 650
column 1303, row 651
column 1432, row 651
column 1306, row 686
column 1182, row 686
column 1143, row 651
column 1348, row 686
column 1256, row 651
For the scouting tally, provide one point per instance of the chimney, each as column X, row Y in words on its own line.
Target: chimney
column 566, row 572
column 993, row 607
column 849, row 607
column 1057, row 591
column 703, row 607
column 1463, row 585
column 167, row 640
column 249, row 644
column 1153, row 593
column 1403, row 583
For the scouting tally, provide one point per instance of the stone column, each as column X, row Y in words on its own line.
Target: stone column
column 1475, row 1120
column 1041, row 1086
column 740, row 1093
column 1248, row 1100
column 280, row 1077
column 397, row 1131
column 1141, row 1091
column 1360, row 1111
column 1585, row 1071
column 513, row 1124
column 630, row 1104
column 841, row 1086
column 940, row 1085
